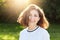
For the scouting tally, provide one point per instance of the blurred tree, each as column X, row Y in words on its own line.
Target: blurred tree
column 51, row 10
column 9, row 13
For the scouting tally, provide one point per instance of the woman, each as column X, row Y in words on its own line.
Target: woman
column 35, row 23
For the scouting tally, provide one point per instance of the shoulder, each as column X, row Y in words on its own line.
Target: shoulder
column 44, row 31
column 23, row 31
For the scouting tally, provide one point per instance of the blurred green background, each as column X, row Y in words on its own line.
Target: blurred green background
column 10, row 10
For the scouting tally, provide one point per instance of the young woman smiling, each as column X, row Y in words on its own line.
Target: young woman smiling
column 35, row 23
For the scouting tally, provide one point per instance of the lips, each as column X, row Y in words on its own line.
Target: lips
column 31, row 20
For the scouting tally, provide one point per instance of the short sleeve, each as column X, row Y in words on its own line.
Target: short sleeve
column 46, row 36
column 20, row 36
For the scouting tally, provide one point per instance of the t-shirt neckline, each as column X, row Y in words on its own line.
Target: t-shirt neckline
column 33, row 30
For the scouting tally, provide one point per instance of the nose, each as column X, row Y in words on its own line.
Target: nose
column 32, row 18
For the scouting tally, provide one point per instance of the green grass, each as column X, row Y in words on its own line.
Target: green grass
column 11, row 31
column 54, row 31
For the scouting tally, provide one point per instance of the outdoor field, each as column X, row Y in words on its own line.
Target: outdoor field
column 10, row 11
column 11, row 31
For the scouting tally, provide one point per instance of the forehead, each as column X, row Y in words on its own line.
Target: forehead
column 34, row 12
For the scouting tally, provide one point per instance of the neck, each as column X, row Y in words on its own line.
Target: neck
column 32, row 27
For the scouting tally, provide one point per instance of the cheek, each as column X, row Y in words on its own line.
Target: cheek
column 37, row 19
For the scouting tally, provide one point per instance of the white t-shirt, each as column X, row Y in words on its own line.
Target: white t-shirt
column 38, row 34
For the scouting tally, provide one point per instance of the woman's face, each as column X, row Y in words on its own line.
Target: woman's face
column 34, row 17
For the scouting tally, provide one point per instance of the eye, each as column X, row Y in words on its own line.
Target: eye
column 30, row 15
column 35, row 15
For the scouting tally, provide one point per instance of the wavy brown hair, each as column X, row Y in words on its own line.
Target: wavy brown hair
column 23, row 18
